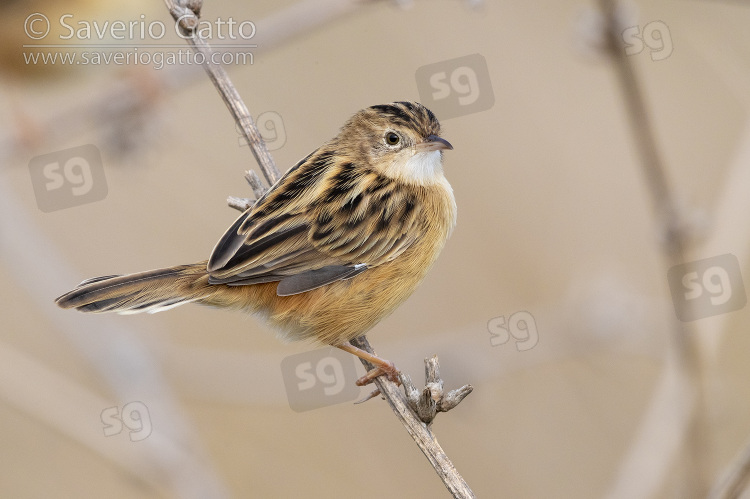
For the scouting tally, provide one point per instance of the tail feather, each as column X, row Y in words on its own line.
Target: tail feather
column 151, row 291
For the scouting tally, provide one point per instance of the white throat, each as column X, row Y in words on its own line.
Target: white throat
column 422, row 168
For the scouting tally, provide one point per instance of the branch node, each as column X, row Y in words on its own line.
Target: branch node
column 432, row 399
column 240, row 204
column 255, row 183
column 195, row 6
column 185, row 16
column 243, row 204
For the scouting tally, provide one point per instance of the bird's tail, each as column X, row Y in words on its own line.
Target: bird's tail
column 150, row 291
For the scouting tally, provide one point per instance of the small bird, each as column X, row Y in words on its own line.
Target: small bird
column 336, row 244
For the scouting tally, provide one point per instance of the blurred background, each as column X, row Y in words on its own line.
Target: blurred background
column 552, row 298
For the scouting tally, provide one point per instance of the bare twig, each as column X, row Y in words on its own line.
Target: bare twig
column 186, row 12
column 419, row 431
column 256, row 185
column 240, row 204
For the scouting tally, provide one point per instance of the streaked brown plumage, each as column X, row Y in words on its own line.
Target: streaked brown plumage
column 335, row 245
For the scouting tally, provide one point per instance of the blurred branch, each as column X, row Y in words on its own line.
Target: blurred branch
column 31, row 387
column 112, row 113
column 426, row 405
column 731, row 213
column 735, row 479
column 674, row 242
column 662, row 197
column 136, row 95
column 172, row 458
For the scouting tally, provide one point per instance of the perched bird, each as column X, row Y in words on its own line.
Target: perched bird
column 334, row 246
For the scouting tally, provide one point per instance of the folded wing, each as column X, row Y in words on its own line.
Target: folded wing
column 320, row 223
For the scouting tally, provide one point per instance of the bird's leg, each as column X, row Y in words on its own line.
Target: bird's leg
column 382, row 366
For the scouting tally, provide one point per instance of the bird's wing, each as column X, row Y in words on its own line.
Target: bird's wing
column 323, row 221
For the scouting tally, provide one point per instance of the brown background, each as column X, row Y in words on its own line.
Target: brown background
column 554, row 219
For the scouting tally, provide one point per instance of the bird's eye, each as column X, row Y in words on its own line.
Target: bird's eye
column 392, row 138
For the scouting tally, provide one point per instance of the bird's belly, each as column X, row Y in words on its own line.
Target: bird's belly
column 343, row 310
column 340, row 311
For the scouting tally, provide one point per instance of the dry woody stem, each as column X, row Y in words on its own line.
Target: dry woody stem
column 187, row 14
column 420, row 431
column 416, row 410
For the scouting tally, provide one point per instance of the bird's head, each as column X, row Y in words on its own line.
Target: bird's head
column 400, row 140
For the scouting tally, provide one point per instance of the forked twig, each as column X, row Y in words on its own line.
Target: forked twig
column 432, row 399
column 420, row 431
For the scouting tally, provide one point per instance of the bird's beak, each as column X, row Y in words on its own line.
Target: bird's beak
column 433, row 143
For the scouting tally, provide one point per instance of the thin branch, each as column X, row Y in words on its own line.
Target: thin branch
column 256, row 185
column 240, row 204
column 419, row 431
column 433, row 400
column 187, row 16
